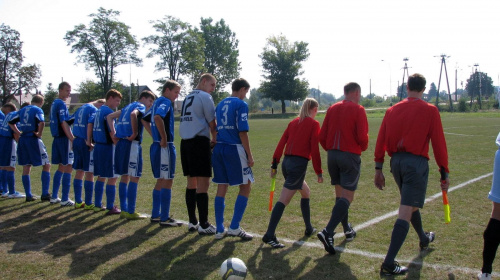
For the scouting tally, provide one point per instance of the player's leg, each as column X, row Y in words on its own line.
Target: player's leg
column 78, row 188
column 66, row 186
column 219, row 206
column 4, row 189
column 306, row 209
column 201, row 164
column 190, row 195
column 131, row 199
column 122, row 194
column 340, row 210
column 99, row 193
column 27, row 183
column 110, row 197
column 278, row 209
column 88, row 185
column 135, row 172
column 345, row 220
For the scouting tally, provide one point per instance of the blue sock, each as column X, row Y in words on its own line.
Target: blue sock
column 99, row 191
column 166, row 196
column 66, row 186
column 77, row 186
column 3, row 181
column 155, row 213
column 219, row 213
column 131, row 197
column 239, row 209
column 89, row 189
column 45, row 182
column 122, row 193
column 56, row 182
column 27, row 185
column 11, row 181
column 110, row 196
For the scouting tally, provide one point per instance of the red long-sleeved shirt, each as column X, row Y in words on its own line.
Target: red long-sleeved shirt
column 407, row 127
column 301, row 139
column 345, row 128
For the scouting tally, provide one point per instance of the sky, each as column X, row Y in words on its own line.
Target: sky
column 363, row 41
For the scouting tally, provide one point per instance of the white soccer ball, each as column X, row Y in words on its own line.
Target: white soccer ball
column 233, row 269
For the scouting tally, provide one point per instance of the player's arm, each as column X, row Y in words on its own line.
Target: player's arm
column 147, row 126
column 110, row 119
column 134, row 125
column 314, row 148
column 67, row 131
column 88, row 141
column 379, row 179
column 362, row 130
column 213, row 131
column 323, row 134
column 161, row 129
column 15, row 132
column 41, row 126
column 245, row 142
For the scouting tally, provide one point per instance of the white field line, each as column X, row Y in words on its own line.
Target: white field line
column 458, row 134
column 371, row 222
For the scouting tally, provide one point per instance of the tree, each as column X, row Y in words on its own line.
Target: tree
column 104, row 45
column 281, row 61
column 89, row 91
column 13, row 75
column 50, row 95
column 179, row 47
column 221, row 54
column 480, row 85
column 432, row 92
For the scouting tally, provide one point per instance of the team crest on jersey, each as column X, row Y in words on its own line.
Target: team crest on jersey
column 164, row 167
column 244, row 117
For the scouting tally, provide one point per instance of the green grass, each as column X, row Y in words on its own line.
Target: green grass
column 41, row 241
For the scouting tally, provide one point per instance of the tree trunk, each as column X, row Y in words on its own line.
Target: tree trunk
column 283, row 108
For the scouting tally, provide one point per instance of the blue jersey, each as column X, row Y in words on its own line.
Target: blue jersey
column 58, row 114
column 101, row 128
column 28, row 119
column 81, row 118
column 164, row 108
column 5, row 129
column 124, row 126
column 232, row 118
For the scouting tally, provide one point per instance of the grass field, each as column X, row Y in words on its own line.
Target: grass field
column 42, row 241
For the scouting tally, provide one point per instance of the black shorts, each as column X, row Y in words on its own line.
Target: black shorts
column 294, row 170
column 411, row 173
column 344, row 169
column 196, row 157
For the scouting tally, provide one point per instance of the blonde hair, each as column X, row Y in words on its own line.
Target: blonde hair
column 308, row 104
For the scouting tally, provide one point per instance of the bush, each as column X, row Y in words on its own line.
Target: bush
column 462, row 105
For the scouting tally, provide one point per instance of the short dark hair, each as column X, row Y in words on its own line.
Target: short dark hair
column 10, row 106
column 63, row 84
column 24, row 104
column 170, row 84
column 416, row 82
column 147, row 94
column 113, row 93
column 239, row 83
column 38, row 99
column 351, row 87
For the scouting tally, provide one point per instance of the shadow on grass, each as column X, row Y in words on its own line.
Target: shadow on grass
column 415, row 267
column 179, row 258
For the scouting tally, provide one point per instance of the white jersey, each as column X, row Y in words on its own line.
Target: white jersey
column 197, row 112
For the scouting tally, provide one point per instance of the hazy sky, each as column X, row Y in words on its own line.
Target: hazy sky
column 347, row 39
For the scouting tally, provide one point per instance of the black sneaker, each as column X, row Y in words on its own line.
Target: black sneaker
column 327, row 241
column 309, row 232
column 395, row 269
column 31, row 198
column 430, row 238
column 350, row 234
column 45, row 197
column 170, row 223
column 273, row 241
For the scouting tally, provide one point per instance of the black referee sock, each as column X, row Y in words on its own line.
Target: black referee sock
column 306, row 213
column 491, row 240
column 191, row 205
column 338, row 212
column 278, row 210
column 202, row 203
column 416, row 222
column 345, row 220
column 398, row 237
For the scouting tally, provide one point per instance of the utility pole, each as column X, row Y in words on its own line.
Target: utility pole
column 405, row 71
column 478, row 75
column 443, row 64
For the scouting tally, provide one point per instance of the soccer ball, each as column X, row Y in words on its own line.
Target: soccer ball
column 233, row 269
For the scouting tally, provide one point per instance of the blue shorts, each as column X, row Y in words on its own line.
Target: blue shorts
column 128, row 158
column 344, row 169
column 411, row 173
column 83, row 157
column 32, row 151
column 8, row 155
column 494, row 194
column 230, row 165
column 61, row 151
column 163, row 160
column 103, row 160
column 294, row 170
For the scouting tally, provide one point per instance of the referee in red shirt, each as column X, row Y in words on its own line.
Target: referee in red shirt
column 344, row 134
column 405, row 133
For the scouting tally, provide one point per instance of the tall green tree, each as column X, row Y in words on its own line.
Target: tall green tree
column 282, row 63
column 104, row 45
column 479, row 85
column 14, row 77
column 221, row 54
column 432, row 93
column 179, row 47
column 49, row 96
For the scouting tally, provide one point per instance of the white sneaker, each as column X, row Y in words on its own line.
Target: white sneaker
column 68, row 202
column 192, row 227
column 17, row 195
column 239, row 232
column 220, row 235
column 206, row 231
column 55, row 200
column 484, row 276
column 5, row 194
